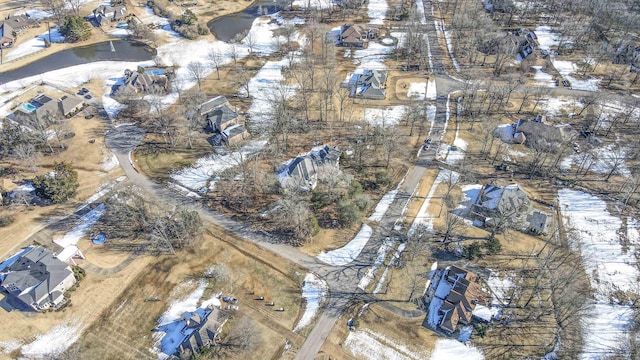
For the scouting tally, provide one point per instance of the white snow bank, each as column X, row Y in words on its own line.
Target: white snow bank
column 565, row 68
column 605, row 327
column 84, row 224
column 546, row 37
column 391, row 115
column 314, row 291
column 387, row 245
column 449, row 349
column 179, row 307
column 383, row 205
column 377, row 11
column 109, row 160
column 417, row 90
column 349, row 252
column 394, row 259
column 500, row 287
column 370, row 345
column 54, row 342
column 203, row 173
column 542, row 78
column 431, row 90
column 10, row 345
column 33, row 45
column 603, row 163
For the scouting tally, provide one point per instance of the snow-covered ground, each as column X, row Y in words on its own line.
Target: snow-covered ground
column 349, row 252
column 393, row 261
column 265, row 88
column 203, row 173
column 371, row 58
column 33, row 45
column 566, row 68
column 387, row 245
column 314, row 290
column 54, row 342
column 367, row 344
column 500, row 288
column 611, row 267
column 377, row 11
column 417, row 91
column 431, row 89
column 422, row 217
column 391, row 115
column 109, row 160
column 606, row 158
column 555, row 106
column 449, row 349
column 383, row 205
column 542, row 78
column 546, row 37
column 84, row 224
column 313, row 4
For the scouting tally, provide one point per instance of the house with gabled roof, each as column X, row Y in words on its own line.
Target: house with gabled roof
column 201, row 328
column 223, row 121
column 498, row 206
column 351, row 35
column 370, row 84
column 13, row 25
column 302, row 171
column 105, row 14
column 36, row 277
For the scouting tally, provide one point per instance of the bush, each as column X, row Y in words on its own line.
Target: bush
column 355, row 188
column 320, row 199
column 78, row 272
column 348, row 214
column 6, row 220
column 473, row 251
column 383, row 178
column 481, row 329
column 362, row 202
column 59, row 185
column 493, row 245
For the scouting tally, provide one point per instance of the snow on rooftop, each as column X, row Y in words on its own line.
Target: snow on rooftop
column 377, row 11
column 390, row 115
column 84, row 224
column 54, row 342
column 349, row 252
column 505, row 132
column 449, row 349
column 383, row 205
column 371, row 345
column 314, row 290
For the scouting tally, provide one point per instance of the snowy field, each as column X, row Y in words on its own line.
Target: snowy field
column 417, row 91
column 377, row 11
column 384, row 249
column 611, row 267
column 54, row 342
column 391, row 115
column 546, row 37
column 314, row 291
column 33, row 45
column 349, row 252
column 566, row 68
column 449, row 349
column 542, row 78
column 605, row 160
column 367, row 344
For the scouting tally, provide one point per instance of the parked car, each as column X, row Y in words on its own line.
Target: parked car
column 231, row 307
column 230, row 299
column 565, row 83
column 90, row 116
column 88, row 97
column 279, row 309
column 428, row 141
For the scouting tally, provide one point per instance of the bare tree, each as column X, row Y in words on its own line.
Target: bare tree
column 292, row 216
column 197, row 72
column 216, row 57
column 28, row 154
column 617, row 157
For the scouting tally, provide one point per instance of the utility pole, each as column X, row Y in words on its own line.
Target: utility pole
column 49, row 29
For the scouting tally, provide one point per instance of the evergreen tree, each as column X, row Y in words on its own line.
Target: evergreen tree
column 75, row 29
column 59, row 185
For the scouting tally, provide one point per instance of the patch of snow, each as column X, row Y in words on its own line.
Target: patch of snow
column 36, row 14
column 203, row 173
column 423, row 217
column 431, row 89
column 417, row 90
column 605, row 327
column 383, row 250
column 394, row 260
column 604, row 161
column 179, row 307
column 500, row 288
column 391, row 115
column 9, row 346
column 183, row 190
column 555, row 106
column 371, row 58
column 383, row 205
column 33, row 45
column 546, row 37
column 448, row 349
column 370, row 345
column 109, row 160
column 54, row 342
column 487, row 313
column 377, row 11
column 25, row 188
column 433, row 317
column 465, row 334
column 84, row 224
column 119, row 32
column 349, row 252
column 565, row 68
column 313, row 4
column 314, row 291
column 542, row 78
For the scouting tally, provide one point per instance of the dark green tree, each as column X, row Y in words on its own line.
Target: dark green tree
column 493, row 245
column 59, row 185
column 473, row 251
column 348, row 213
column 75, row 28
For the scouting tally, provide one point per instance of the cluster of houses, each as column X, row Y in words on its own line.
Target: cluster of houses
column 43, row 106
column 12, row 26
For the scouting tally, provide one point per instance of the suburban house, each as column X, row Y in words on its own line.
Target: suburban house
column 521, row 42
column 351, row 35
column 302, row 171
column 36, row 277
column 532, row 132
column 457, row 292
column 44, row 106
column 13, row 25
column 539, row 222
column 201, row 328
column 223, row 121
column 105, row 14
column 500, row 206
column 140, row 82
column 370, row 84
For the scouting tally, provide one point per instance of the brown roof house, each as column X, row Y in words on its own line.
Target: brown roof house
column 140, row 82
column 457, row 292
column 351, row 35
column 370, row 84
column 36, row 277
column 39, row 107
column 301, row 173
column 70, row 105
column 223, row 121
column 13, row 25
column 538, row 133
column 105, row 14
